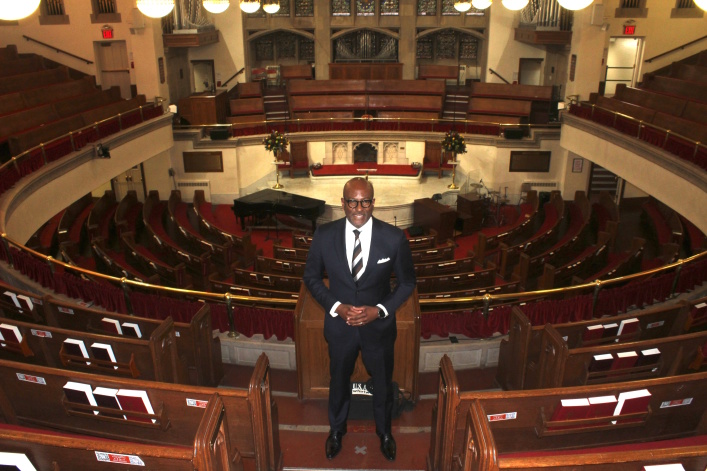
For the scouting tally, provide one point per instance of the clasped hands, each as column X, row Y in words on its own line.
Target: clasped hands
column 357, row 315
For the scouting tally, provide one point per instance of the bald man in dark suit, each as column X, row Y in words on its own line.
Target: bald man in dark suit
column 359, row 254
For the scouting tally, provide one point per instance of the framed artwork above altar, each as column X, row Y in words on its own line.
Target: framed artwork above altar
column 353, row 152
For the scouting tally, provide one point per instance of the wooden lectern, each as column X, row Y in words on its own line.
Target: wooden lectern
column 312, row 351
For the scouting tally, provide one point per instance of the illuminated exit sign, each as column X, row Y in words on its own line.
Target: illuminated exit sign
column 629, row 29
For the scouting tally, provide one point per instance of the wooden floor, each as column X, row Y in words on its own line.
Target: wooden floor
column 304, row 426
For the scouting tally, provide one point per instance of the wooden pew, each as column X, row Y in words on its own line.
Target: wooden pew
column 591, row 260
column 208, row 224
column 219, row 285
column 344, row 102
column 45, row 449
column 101, row 217
column 459, row 265
column 153, row 358
column 247, row 107
column 326, row 87
column 432, row 103
column 71, row 225
column 542, row 239
column 301, row 240
column 630, row 109
column 22, row 65
column 605, row 215
column 406, row 87
column 290, row 284
column 180, row 227
column 146, row 262
column 426, row 241
column 648, row 100
column 451, row 306
column 520, row 353
column 128, row 214
column 677, row 87
column 34, row 79
column 430, row 71
column 441, row 253
column 502, row 90
column 697, row 314
column 456, row 282
column 277, row 266
column 560, row 365
column 409, row 115
column 522, row 421
column 521, row 228
column 115, row 264
column 629, row 264
column 480, row 452
column 336, row 116
column 249, row 89
column 499, row 106
column 290, row 253
column 695, row 130
column 295, row 72
column 665, row 222
column 8, row 52
column 197, row 347
column 178, row 410
column 19, row 304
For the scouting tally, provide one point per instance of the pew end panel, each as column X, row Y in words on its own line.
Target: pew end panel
column 513, row 353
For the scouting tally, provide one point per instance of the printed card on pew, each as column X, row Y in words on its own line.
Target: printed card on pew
column 631, row 402
column 601, row 362
column 80, row 393
column 131, row 329
column 610, row 330
column 10, row 333
column 111, row 325
column 76, row 348
column 664, row 467
column 601, row 406
column 627, row 328
column 103, row 352
column 570, row 409
column 137, row 401
column 624, row 360
column 107, row 397
column 593, row 333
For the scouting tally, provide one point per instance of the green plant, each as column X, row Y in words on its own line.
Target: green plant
column 454, row 142
column 276, row 142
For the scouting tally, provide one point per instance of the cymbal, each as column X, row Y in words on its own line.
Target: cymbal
column 475, row 185
column 493, row 192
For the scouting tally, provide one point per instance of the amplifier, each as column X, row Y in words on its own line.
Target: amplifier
column 220, row 134
column 513, row 133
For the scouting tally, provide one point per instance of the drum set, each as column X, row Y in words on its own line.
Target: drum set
column 493, row 202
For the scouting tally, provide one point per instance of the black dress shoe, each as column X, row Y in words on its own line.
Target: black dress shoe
column 333, row 444
column 388, row 446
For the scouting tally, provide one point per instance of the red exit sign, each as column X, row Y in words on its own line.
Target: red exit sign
column 629, row 29
column 107, row 32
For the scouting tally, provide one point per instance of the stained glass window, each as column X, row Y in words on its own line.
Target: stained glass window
column 286, row 46
column 448, row 8
column 468, row 47
column 390, row 7
column 365, row 7
column 306, row 50
column 284, row 8
column 424, row 48
column 304, row 7
column 264, row 49
column 446, row 45
column 340, row 7
column 426, row 7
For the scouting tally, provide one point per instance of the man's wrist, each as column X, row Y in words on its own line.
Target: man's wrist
column 382, row 313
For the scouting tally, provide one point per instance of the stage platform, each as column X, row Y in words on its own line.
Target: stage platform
column 394, row 196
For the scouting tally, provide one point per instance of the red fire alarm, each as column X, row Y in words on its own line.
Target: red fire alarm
column 107, row 32
column 629, row 30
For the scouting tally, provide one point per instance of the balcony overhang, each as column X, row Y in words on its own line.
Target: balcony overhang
column 190, row 38
column 541, row 37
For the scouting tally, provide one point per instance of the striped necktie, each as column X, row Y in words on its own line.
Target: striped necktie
column 357, row 259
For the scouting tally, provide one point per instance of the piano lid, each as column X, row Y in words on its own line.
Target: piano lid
column 278, row 201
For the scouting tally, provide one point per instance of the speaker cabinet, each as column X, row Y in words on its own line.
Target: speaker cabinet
column 513, row 133
column 220, row 134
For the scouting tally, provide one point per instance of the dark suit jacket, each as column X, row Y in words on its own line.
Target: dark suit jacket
column 389, row 252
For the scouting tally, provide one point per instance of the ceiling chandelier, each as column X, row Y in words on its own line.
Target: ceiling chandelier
column 271, row 7
column 155, row 8
column 701, row 3
column 574, row 4
column 514, row 4
column 250, row 6
column 216, row 6
column 12, row 11
column 462, row 5
column 481, row 4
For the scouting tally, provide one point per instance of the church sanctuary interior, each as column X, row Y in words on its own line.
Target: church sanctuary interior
column 164, row 165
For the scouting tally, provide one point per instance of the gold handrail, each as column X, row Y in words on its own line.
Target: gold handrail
column 59, row 51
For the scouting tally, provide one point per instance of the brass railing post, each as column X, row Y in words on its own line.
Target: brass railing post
column 126, row 294
column 487, row 303
column 677, row 278
column 6, row 246
column 231, row 319
column 51, row 263
column 595, row 299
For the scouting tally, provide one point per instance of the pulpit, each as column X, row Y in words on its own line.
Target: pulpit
column 312, row 352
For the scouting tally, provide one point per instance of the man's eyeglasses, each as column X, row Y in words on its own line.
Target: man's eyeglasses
column 353, row 203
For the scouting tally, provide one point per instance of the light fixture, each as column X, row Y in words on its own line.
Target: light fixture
column 12, row 11
column 250, row 6
column 515, row 4
column 155, row 8
column 271, row 7
column 462, row 5
column 481, row 4
column 574, row 4
column 216, row 6
column 701, row 3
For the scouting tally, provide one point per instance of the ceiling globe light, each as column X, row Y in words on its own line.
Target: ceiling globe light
column 216, row 6
column 481, row 4
column 155, row 8
column 250, row 6
column 462, row 5
column 701, row 3
column 271, row 7
column 12, row 11
column 574, row 4
column 515, row 4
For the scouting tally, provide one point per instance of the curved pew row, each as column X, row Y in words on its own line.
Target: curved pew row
column 530, row 425
column 166, row 415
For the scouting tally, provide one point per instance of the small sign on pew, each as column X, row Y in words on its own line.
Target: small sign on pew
column 505, row 416
column 197, row 403
column 676, row 403
column 41, row 333
column 118, row 458
column 31, row 378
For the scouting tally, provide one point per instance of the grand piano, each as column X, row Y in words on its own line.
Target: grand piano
column 269, row 202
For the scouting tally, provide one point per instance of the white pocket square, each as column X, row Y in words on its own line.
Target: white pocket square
column 383, row 260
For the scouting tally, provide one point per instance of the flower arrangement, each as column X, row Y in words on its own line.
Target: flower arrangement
column 454, row 142
column 276, row 142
